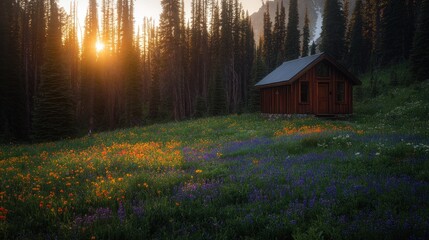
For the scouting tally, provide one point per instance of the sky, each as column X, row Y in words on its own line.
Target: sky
column 148, row 8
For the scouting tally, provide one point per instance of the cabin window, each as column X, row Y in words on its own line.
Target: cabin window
column 304, row 93
column 341, row 92
column 322, row 70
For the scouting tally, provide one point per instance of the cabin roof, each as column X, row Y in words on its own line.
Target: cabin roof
column 291, row 70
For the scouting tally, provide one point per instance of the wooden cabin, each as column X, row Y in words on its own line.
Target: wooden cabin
column 316, row 85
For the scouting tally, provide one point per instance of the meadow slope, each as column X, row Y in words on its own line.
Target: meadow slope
column 233, row 177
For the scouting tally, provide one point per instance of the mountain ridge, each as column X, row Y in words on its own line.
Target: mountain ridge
column 315, row 13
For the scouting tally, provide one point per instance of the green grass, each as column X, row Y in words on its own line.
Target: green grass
column 232, row 177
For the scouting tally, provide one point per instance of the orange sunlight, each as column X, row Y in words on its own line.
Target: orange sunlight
column 99, row 46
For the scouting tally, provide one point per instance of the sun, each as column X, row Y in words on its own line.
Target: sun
column 99, row 46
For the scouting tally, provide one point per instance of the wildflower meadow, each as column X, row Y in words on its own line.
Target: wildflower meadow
column 234, row 177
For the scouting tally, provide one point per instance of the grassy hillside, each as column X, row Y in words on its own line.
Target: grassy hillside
column 389, row 99
column 230, row 177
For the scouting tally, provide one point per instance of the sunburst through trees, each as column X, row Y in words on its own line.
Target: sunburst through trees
column 118, row 71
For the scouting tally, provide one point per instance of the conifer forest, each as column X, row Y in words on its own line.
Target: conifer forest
column 214, row 119
column 123, row 73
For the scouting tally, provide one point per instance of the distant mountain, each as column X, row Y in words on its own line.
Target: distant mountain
column 315, row 11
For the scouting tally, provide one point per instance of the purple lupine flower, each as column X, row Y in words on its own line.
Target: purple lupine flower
column 100, row 214
column 138, row 208
column 248, row 219
column 331, row 190
column 103, row 213
column 257, row 195
column 207, row 190
column 121, row 212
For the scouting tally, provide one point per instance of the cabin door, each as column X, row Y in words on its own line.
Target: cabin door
column 323, row 98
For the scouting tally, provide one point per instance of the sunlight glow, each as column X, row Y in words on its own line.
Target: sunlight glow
column 99, row 46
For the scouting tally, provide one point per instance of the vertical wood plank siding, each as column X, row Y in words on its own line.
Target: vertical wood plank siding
column 285, row 99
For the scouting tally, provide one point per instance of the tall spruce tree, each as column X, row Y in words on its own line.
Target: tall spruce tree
column 259, row 72
column 217, row 105
column 171, row 34
column 313, row 48
column 12, row 104
column 247, row 55
column 333, row 29
column 346, row 11
column 292, row 45
column 3, row 60
column 268, row 52
column 153, row 65
column 109, row 90
column 358, row 54
column 306, row 35
column 394, row 30
column 89, row 64
column 199, row 57
column 347, row 24
column 221, row 97
column 235, row 68
column 71, row 53
column 54, row 116
column 130, row 66
column 279, row 34
column 420, row 52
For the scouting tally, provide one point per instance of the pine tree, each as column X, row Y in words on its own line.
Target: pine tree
column 154, row 102
column 394, row 30
column 420, row 53
column 89, row 64
column 54, row 110
column 357, row 57
column 346, row 11
column 226, row 57
column 306, row 35
column 3, row 68
column 12, row 103
column 153, row 59
column 333, row 29
column 347, row 24
column 217, row 93
column 109, row 89
column 279, row 34
column 372, row 30
column 234, row 79
column 268, row 52
column 313, row 48
column 412, row 14
column 259, row 72
column 199, row 57
column 292, row 45
column 130, row 66
column 171, row 35
column 36, row 51
column 71, row 47
column 248, row 45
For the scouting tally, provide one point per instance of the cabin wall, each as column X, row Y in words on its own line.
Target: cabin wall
column 286, row 99
column 276, row 100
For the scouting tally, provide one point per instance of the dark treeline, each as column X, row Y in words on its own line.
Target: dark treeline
column 371, row 35
column 53, row 86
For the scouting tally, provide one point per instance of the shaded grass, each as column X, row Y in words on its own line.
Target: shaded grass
column 232, row 177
